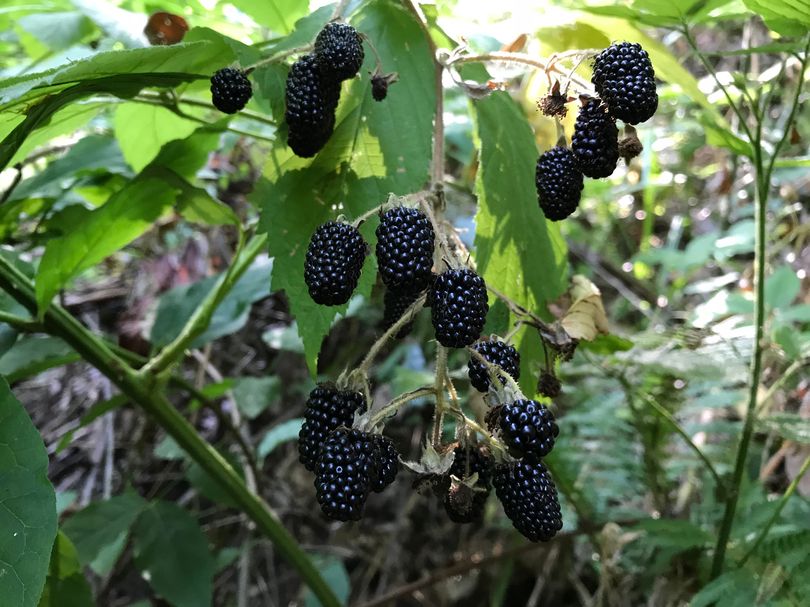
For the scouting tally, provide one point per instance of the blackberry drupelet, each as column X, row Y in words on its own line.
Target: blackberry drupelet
column 230, row 90
column 327, row 409
column 559, row 183
column 465, row 504
column 528, row 427
column 311, row 104
column 339, row 50
column 497, row 352
column 395, row 304
column 529, row 498
column 458, row 307
column 595, row 142
column 405, row 243
column 333, row 263
column 342, row 480
column 625, row 80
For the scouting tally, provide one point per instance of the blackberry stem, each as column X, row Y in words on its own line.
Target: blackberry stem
column 393, row 406
column 438, row 415
column 496, row 372
column 277, row 57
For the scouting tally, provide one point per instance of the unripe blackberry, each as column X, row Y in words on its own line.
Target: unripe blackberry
column 465, row 504
column 625, row 80
column 497, row 352
column 342, row 482
column 559, row 183
column 230, row 90
column 528, row 427
column 529, row 498
column 339, row 50
column 395, row 304
column 405, row 243
column 327, row 409
column 311, row 104
column 333, row 263
column 459, row 307
column 595, row 142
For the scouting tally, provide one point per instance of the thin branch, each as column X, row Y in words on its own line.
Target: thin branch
column 393, row 406
column 438, row 415
column 522, row 58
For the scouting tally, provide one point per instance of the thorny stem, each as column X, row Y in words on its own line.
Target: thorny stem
column 170, row 103
column 394, row 406
column 495, row 372
column 438, row 415
column 523, row 58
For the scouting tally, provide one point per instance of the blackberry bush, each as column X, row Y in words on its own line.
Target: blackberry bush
column 498, row 353
column 529, row 498
column 311, row 103
column 458, row 307
column 333, row 263
column 327, row 408
column 528, row 427
column 624, row 78
column 405, row 243
column 559, row 183
column 230, row 90
column 339, row 51
column 595, row 142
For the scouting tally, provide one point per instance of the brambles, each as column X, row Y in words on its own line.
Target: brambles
column 230, row 90
column 529, row 498
column 559, row 183
column 339, row 51
column 334, row 260
column 498, row 353
column 458, row 307
column 595, row 142
column 327, row 409
column 528, row 428
column 405, row 242
column 625, row 80
column 311, row 104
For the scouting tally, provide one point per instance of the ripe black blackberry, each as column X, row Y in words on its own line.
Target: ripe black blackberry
column 465, row 504
column 327, row 409
column 595, row 142
column 625, row 80
column 379, row 87
column 230, row 90
column 497, row 352
column 405, row 243
column 311, row 103
column 382, row 463
column 528, row 427
column 529, row 498
column 339, row 50
column 333, row 263
column 395, row 304
column 559, row 183
column 458, row 307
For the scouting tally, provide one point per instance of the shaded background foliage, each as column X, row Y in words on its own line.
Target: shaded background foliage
column 122, row 192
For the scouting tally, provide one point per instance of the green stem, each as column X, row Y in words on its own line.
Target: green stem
column 403, row 320
column 57, row 321
column 438, row 415
column 782, row 503
column 201, row 318
column 392, row 407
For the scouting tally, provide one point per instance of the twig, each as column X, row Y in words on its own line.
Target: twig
column 438, row 414
column 523, row 58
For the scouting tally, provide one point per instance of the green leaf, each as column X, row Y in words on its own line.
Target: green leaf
column 334, row 573
column 271, row 84
column 229, row 50
column 207, row 486
column 172, row 552
column 782, row 287
column 57, row 30
column 674, row 533
column 143, row 129
column 100, row 530
column 65, row 585
column 32, row 354
column 787, row 425
column 254, row 394
column 27, row 505
column 124, row 217
column 178, row 304
column 518, row 252
column 370, row 154
column 787, row 17
column 305, row 30
column 282, row 433
column 276, row 15
column 736, row 587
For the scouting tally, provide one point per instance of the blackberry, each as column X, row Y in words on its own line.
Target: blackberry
column 334, row 260
column 529, row 498
column 405, row 243
column 383, row 462
column 458, row 307
column 528, row 427
column 396, row 303
column 625, row 80
column 379, row 87
column 559, row 183
column 549, row 385
column 230, row 90
column 339, row 51
column 497, row 352
column 311, row 104
column 462, row 503
column 327, row 409
column 595, row 142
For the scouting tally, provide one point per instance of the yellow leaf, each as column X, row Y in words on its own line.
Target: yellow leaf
column 586, row 317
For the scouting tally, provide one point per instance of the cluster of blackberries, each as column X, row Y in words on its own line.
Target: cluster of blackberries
column 624, row 79
column 405, row 247
column 313, row 87
column 348, row 464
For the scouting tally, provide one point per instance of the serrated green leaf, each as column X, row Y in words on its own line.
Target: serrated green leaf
column 276, row 15
column 57, row 30
column 229, row 50
column 305, row 29
column 277, row 435
column 173, row 553
column 254, row 394
column 32, row 353
column 674, row 533
column 518, row 252
column 143, row 129
column 27, row 505
column 782, row 287
column 370, row 154
column 787, row 17
column 65, row 585
column 100, row 530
